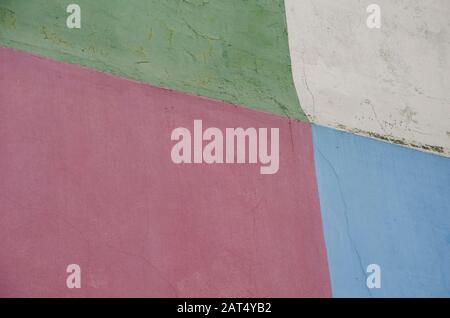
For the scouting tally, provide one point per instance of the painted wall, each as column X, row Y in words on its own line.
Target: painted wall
column 86, row 174
column 233, row 50
column 387, row 205
column 86, row 177
column 390, row 83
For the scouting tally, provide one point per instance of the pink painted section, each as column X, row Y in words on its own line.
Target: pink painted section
column 86, row 178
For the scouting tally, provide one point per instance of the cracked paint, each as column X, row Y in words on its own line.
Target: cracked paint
column 401, row 69
column 234, row 50
column 387, row 205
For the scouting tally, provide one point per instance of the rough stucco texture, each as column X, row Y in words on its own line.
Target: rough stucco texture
column 387, row 205
column 391, row 83
column 233, row 50
column 86, row 177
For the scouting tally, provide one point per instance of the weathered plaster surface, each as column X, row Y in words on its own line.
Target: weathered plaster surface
column 390, row 83
column 86, row 177
column 385, row 205
column 233, row 50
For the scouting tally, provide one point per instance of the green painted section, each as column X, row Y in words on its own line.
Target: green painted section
column 232, row 50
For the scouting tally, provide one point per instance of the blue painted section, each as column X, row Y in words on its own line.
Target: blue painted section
column 387, row 205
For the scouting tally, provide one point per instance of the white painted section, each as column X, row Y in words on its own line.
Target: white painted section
column 392, row 82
